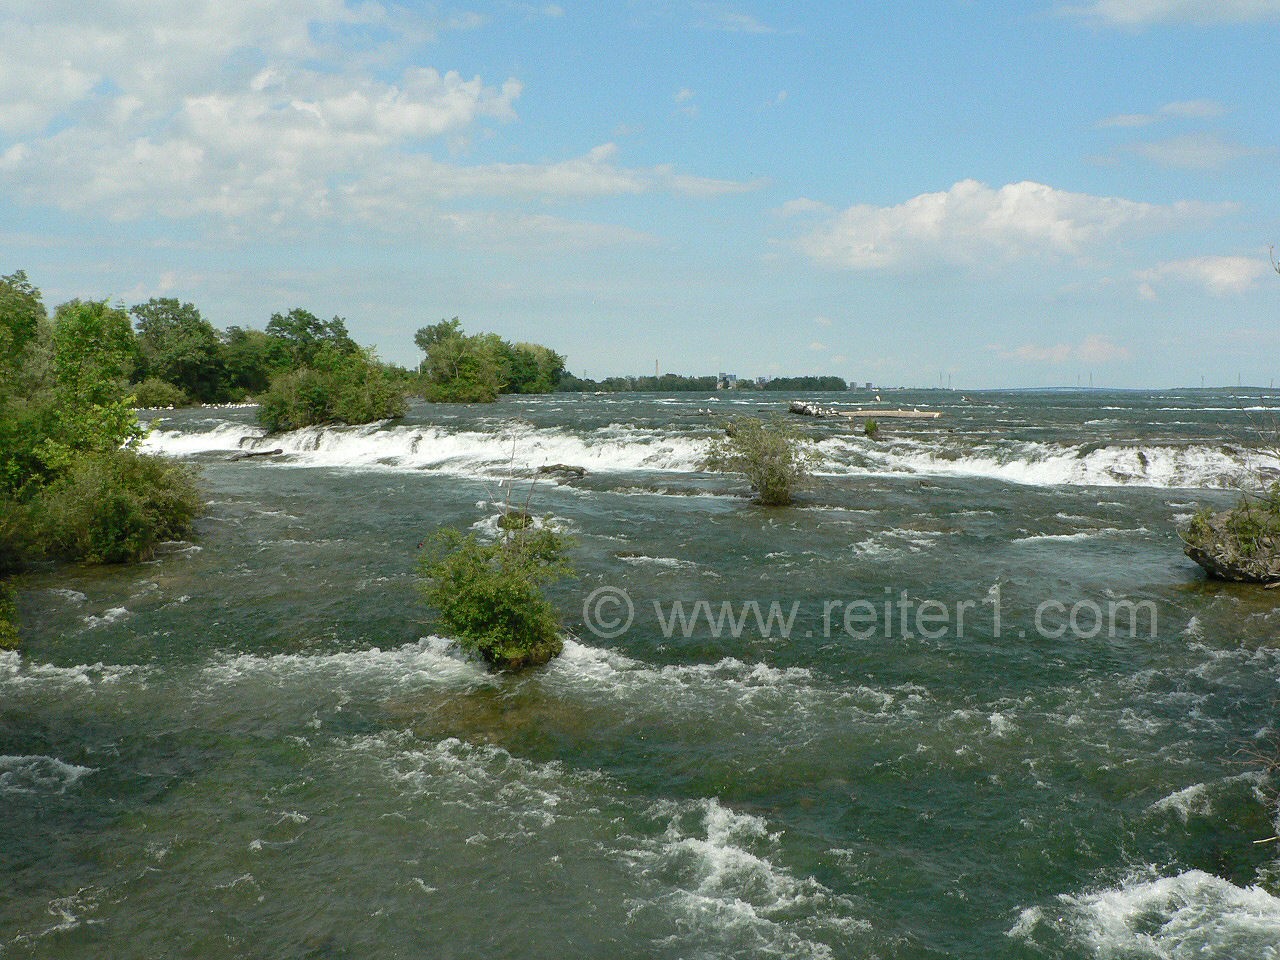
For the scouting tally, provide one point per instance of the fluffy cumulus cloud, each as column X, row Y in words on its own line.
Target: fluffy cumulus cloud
column 972, row 222
column 1093, row 349
column 272, row 109
column 1218, row 275
column 1137, row 13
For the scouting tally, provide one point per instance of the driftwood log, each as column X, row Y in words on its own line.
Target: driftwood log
column 250, row 454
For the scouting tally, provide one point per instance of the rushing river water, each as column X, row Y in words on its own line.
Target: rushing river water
column 253, row 746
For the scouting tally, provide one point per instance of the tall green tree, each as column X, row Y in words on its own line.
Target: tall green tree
column 303, row 333
column 250, row 358
column 94, row 355
column 21, row 312
column 180, row 347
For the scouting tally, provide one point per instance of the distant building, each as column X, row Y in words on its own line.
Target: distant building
column 726, row 381
column 867, row 386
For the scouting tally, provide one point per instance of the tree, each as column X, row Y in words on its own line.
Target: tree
column 459, row 368
column 94, row 354
column 774, row 457
column 180, row 347
column 21, row 312
column 250, row 358
column 304, row 334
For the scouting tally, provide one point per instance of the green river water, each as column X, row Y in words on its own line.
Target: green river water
column 254, row 746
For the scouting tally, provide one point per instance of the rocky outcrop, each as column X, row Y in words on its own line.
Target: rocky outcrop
column 1241, row 545
column 802, row 409
column 564, row 471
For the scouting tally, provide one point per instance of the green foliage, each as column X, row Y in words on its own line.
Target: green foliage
column 180, row 347
column 805, row 383
column 8, row 617
column 477, row 368
column 342, row 387
column 667, row 383
column 249, row 359
column 304, row 335
column 21, row 313
column 70, row 486
column 773, row 456
column 153, row 392
column 871, row 428
column 113, row 506
column 489, row 596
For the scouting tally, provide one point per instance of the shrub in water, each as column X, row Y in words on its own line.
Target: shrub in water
column 113, row 506
column 338, row 388
column 153, row 392
column 774, row 458
column 489, row 597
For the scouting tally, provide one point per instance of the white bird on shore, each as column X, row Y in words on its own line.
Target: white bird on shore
column 877, row 398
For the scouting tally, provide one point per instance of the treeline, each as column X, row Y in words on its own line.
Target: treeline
column 805, row 383
column 676, row 383
column 666, row 383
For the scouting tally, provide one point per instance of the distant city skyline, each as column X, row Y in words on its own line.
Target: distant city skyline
column 1009, row 195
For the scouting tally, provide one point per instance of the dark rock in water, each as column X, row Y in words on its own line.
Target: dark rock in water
column 249, row 455
column 802, row 409
column 1240, row 545
column 563, row 470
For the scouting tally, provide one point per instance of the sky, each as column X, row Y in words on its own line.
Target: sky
column 1015, row 194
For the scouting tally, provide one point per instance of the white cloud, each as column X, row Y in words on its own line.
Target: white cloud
column 1094, row 348
column 197, row 108
column 1195, row 151
column 728, row 20
column 972, row 222
column 1194, row 109
column 1218, row 275
column 1138, row 13
column 817, row 345
column 1184, row 110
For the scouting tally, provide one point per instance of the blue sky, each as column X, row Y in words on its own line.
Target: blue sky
column 1014, row 194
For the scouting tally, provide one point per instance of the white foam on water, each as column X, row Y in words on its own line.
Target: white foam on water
column 1044, row 464
column 39, row 774
column 624, row 447
column 1190, row 915
column 717, row 871
column 185, row 443
column 108, row 617
column 465, row 452
column 513, row 797
column 1080, row 535
column 669, row 562
column 18, row 673
column 1197, row 799
column 430, row 662
column 609, row 669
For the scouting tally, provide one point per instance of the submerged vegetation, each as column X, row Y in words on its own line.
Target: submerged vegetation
column 489, row 596
column 774, row 457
